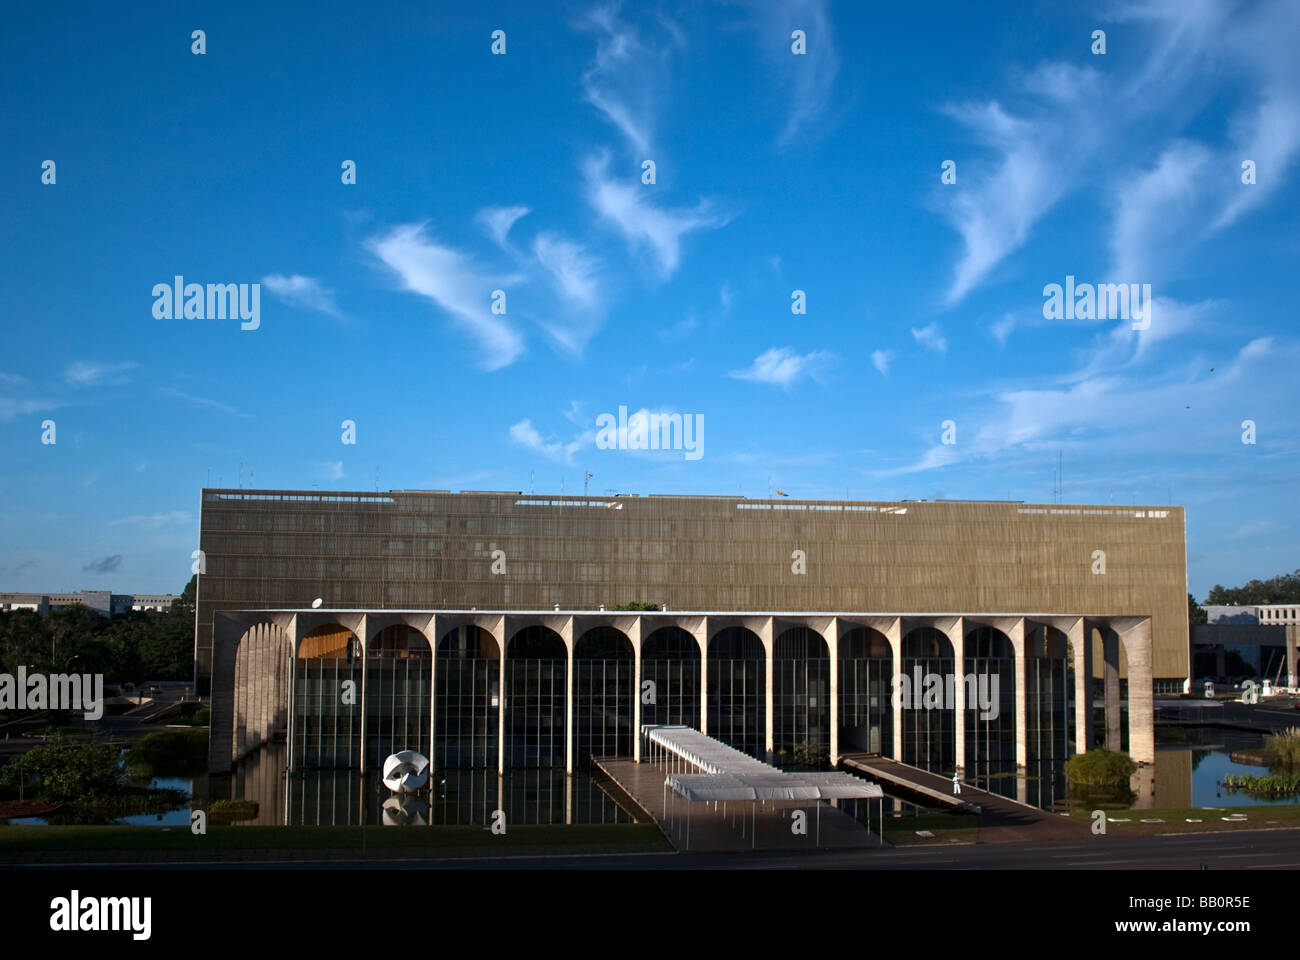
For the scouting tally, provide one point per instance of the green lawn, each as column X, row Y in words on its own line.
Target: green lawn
column 40, row 844
column 946, row 827
column 1175, row 820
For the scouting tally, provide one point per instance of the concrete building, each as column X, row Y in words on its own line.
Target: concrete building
column 103, row 602
column 1267, row 634
column 483, row 626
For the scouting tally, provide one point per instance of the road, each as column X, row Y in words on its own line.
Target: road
column 1238, row 850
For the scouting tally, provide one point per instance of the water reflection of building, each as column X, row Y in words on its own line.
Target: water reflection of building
column 496, row 678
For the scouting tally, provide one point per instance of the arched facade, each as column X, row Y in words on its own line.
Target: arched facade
column 533, row 690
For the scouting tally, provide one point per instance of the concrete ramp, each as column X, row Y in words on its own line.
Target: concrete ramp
column 1002, row 820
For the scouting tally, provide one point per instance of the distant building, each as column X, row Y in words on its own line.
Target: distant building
column 1269, row 635
column 103, row 602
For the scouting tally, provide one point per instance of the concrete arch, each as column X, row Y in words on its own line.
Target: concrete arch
column 468, row 696
column 261, row 672
column 738, row 686
column 801, row 697
column 538, row 716
column 605, row 693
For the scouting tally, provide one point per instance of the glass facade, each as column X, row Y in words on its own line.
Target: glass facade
column 327, row 680
column 670, row 662
column 866, row 718
column 801, row 685
column 399, row 683
column 603, row 694
column 737, row 690
column 467, row 710
column 990, row 703
column 929, row 734
column 536, row 673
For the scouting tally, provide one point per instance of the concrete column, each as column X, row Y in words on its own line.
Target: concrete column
column 1292, row 632
column 1017, row 636
column 1141, row 698
column 1110, row 654
column 833, row 649
column 1081, row 644
column 769, row 695
column 567, row 633
column 957, row 636
column 635, row 636
column 431, row 633
column 226, row 631
column 501, row 698
column 365, row 672
column 703, row 641
column 293, row 672
column 894, row 634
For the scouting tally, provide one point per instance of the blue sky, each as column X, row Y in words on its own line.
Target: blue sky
column 522, row 172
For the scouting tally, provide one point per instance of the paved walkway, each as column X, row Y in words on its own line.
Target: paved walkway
column 732, row 826
column 1001, row 820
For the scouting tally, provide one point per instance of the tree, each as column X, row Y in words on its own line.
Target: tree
column 1284, row 588
column 1195, row 614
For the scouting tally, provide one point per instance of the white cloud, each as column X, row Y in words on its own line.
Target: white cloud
column 573, row 271
column 497, row 221
column 204, row 402
column 1002, row 328
column 453, row 282
column 931, row 337
column 329, row 469
column 644, row 224
column 526, row 435
column 628, row 77
column 152, row 521
column 304, row 292
column 89, row 374
column 808, row 78
column 783, row 367
column 881, row 359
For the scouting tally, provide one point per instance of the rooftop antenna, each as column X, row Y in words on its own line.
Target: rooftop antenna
column 241, row 474
column 531, row 474
column 585, row 480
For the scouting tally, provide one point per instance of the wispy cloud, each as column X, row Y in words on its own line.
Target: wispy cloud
column 304, row 292
column 497, row 221
column 85, row 373
column 453, row 282
column 526, row 435
column 105, row 565
column 627, row 79
column 808, row 78
column 881, row 359
column 782, row 367
column 329, row 469
column 152, row 521
column 572, row 271
column 646, row 225
column 1039, row 158
column 204, row 402
column 931, row 337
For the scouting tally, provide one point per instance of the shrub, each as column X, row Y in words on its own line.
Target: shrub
column 1283, row 748
column 229, row 811
column 170, row 753
column 202, row 717
column 67, row 770
column 1100, row 768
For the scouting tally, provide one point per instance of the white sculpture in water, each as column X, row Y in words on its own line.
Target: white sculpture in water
column 406, row 771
